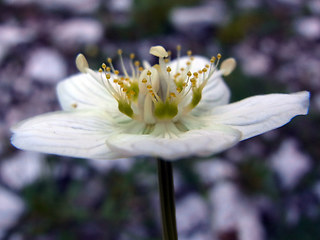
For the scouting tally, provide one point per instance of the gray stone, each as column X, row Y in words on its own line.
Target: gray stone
column 289, row 163
column 46, row 65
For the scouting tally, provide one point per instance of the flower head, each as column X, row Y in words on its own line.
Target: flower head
column 171, row 110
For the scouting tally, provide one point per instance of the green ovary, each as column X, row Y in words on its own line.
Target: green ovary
column 125, row 108
column 166, row 110
column 196, row 97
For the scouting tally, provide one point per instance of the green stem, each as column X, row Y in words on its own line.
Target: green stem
column 166, row 192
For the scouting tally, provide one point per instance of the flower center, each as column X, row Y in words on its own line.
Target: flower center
column 161, row 93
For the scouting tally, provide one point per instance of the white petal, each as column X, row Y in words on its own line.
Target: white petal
column 255, row 115
column 75, row 134
column 82, row 91
column 192, row 143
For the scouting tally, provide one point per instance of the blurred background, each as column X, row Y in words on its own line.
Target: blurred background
column 267, row 187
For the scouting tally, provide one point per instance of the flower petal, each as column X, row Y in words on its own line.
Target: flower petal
column 192, row 143
column 256, row 115
column 75, row 134
column 82, row 91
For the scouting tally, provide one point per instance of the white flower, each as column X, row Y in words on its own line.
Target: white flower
column 171, row 110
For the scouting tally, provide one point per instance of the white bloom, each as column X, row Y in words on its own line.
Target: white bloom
column 170, row 110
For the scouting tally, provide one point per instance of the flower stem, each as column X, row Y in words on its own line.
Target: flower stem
column 166, row 192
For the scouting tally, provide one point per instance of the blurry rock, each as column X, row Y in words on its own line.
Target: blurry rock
column 224, row 199
column 249, row 4
column 12, row 35
column 120, row 5
column 46, row 65
column 316, row 189
column 123, row 164
column 290, row 164
column 197, row 236
column 249, row 225
column 233, row 217
column 22, row 169
column 79, row 6
column 78, row 31
column 213, row 170
column 290, row 2
column 191, row 19
column 252, row 62
column 256, row 64
column 191, row 213
column 11, row 207
column 308, row 27
column 316, row 101
column 314, row 6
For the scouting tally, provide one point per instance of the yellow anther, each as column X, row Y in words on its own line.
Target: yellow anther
column 213, row 59
column 108, row 76
column 132, row 92
column 179, row 89
column 100, row 70
column 166, row 60
column 108, row 69
column 207, row 66
column 140, row 69
column 104, row 66
column 193, row 80
column 149, row 86
column 178, row 47
column 127, row 79
column 189, row 74
column 204, row 70
column 200, row 71
column 184, row 84
column 149, row 73
column 122, row 78
column 218, row 55
column 188, row 63
column 150, row 91
column 116, row 72
column 169, row 53
column 172, row 94
column 120, row 83
column 109, row 60
column 119, row 51
column 137, row 63
column 189, row 52
column 191, row 58
column 181, row 69
column 115, row 80
column 74, row 105
column 168, row 69
column 144, row 80
column 125, row 90
column 195, row 74
column 132, row 55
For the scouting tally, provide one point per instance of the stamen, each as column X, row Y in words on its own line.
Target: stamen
column 124, row 70
column 227, row 66
column 82, row 63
